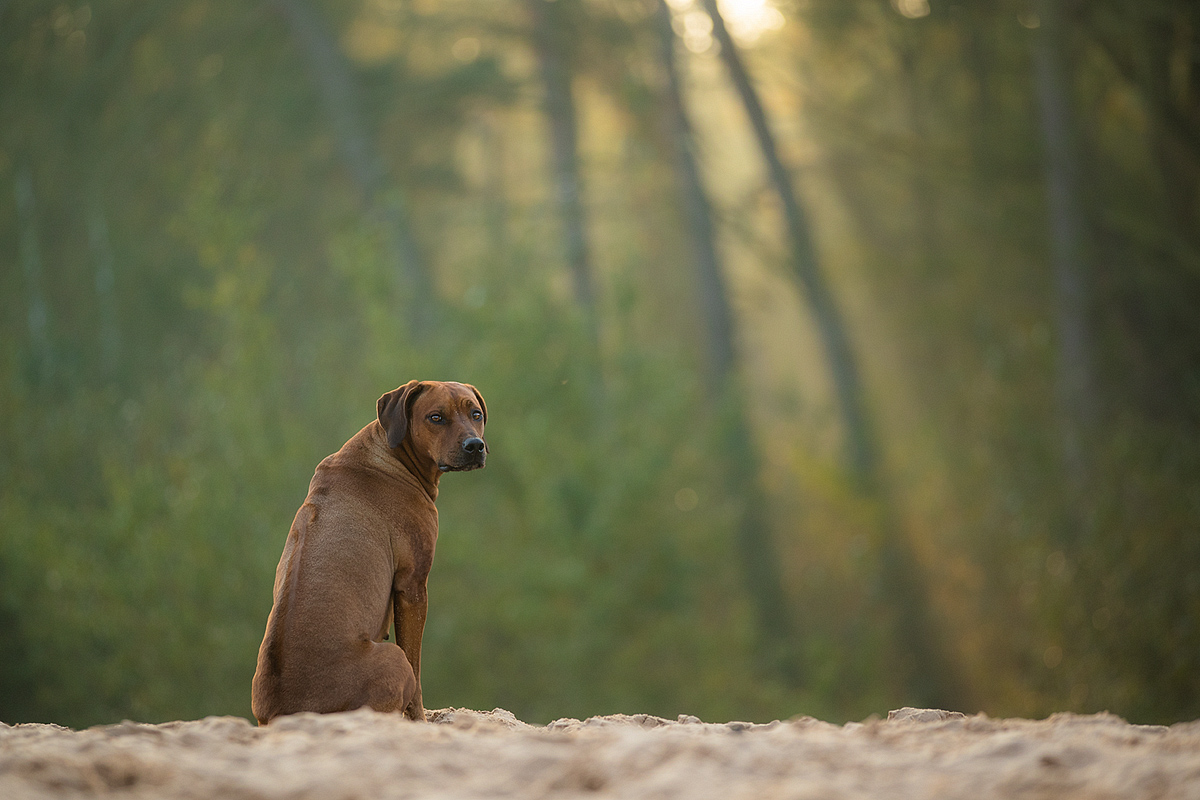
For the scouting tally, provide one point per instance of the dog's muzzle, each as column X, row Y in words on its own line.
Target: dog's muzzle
column 473, row 456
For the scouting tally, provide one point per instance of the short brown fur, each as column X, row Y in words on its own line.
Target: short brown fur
column 359, row 554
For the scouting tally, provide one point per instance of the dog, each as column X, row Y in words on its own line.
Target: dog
column 358, row 556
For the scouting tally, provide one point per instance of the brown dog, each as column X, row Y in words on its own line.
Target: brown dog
column 359, row 554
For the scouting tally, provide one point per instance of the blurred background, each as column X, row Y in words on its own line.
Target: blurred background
column 839, row 354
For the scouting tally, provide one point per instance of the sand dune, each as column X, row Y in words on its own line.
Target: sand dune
column 471, row 754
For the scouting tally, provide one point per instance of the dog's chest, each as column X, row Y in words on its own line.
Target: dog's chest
column 414, row 539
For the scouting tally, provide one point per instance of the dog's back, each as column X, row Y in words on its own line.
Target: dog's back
column 332, row 593
column 266, row 699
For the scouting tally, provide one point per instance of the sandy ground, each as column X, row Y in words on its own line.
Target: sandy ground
column 471, row 754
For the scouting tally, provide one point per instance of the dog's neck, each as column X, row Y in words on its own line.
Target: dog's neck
column 419, row 465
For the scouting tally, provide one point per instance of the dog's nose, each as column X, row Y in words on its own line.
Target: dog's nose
column 473, row 445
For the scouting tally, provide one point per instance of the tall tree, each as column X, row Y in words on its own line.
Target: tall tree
column 716, row 313
column 777, row 623
column 1153, row 48
column 1065, row 216
column 550, row 38
column 922, row 189
column 1171, row 55
column 930, row 675
column 839, row 352
column 106, row 294
column 335, row 82
column 37, row 314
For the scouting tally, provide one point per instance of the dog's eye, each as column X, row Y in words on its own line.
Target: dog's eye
column 436, row 419
column 476, row 415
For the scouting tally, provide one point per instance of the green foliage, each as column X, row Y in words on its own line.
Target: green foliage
column 221, row 307
column 935, row 138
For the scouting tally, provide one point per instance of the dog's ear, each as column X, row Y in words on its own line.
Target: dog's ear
column 479, row 397
column 395, row 411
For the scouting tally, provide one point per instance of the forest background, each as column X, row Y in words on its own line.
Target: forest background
column 839, row 354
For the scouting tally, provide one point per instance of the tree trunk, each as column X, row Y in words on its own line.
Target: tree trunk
column 1075, row 382
column 928, row 673
column 1173, row 39
column 715, row 306
column 495, row 207
column 978, row 57
column 777, row 624
column 38, row 315
column 838, row 351
column 564, row 145
column 920, row 163
column 106, row 296
column 335, row 83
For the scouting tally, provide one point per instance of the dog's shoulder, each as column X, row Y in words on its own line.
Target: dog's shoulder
column 364, row 467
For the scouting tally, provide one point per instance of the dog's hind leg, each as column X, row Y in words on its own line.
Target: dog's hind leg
column 387, row 679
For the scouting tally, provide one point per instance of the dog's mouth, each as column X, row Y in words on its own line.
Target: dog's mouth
column 466, row 467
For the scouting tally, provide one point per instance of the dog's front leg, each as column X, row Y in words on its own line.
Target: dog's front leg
column 409, row 608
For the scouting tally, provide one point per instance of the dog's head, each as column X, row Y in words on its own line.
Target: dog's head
column 443, row 420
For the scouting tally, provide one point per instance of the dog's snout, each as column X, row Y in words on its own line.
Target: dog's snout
column 473, row 445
